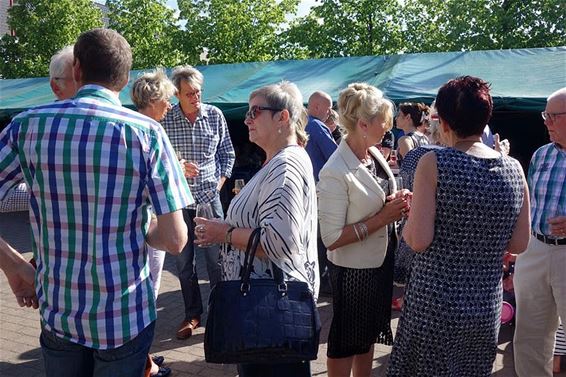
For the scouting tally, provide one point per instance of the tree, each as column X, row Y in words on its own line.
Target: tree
column 453, row 25
column 235, row 31
column 347, row 28
column 42, row 27
column 151, row 29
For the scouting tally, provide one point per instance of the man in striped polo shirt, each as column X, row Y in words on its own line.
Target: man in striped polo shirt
column 93, row 167
column 540, row 272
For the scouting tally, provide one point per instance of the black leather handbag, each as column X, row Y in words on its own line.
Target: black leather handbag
column 261, row 320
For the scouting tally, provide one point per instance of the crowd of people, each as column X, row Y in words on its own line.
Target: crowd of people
column 110, row 191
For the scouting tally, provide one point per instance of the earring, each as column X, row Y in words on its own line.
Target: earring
column 279, row 130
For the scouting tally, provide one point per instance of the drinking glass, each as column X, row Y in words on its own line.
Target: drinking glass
column 238, row 186
column 204, row 210
column 399, row 182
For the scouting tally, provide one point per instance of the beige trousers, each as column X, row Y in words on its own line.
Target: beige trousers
column 540, row 292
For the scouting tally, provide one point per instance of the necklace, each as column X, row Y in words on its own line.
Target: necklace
column 465, row 142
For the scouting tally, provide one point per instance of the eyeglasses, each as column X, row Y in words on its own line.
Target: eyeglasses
column 256, row 110
column 550, row 116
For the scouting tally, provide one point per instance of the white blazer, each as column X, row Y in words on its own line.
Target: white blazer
column 347, row 194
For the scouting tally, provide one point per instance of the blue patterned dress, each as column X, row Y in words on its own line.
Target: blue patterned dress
column 450, row 320
column 404, row 255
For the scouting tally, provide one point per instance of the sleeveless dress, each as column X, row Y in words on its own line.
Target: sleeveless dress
column 404, row 254
column 418, row 141
column 450, row 320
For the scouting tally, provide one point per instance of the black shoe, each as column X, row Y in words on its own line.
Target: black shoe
column 163, row 372
column 158, row 360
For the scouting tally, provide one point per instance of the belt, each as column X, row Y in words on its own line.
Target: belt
column 550, row 241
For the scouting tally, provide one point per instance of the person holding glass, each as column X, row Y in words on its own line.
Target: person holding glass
column 199, row 133
column 358, row 207
column 280, row 199
column 470, row 205
column 151, row 94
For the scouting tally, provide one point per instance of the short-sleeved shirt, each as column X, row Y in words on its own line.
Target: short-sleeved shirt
column 547, row 186
column 93, row 168
column 206, row 142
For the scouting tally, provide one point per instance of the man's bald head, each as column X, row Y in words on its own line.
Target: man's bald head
column 319, row 105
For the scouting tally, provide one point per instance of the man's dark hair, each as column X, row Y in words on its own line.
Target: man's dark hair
column 105, row 58
column 465, row 104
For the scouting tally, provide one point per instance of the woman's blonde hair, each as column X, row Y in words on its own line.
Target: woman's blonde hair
column 365, row 102
column 286, row 95
column 151, row 87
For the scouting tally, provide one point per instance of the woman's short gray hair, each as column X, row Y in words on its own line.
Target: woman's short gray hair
column 286, row 95
column 151, row 87
column 365, row 102
column 60, row 62
column 189, row 74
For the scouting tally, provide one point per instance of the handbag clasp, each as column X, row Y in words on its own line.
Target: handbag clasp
column 245, row 288
column 282, row 288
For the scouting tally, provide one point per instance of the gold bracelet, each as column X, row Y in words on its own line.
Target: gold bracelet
column 228, row 235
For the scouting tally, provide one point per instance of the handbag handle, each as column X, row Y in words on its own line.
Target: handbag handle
column 253, row 243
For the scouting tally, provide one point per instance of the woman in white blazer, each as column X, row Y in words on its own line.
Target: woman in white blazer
column 358, row 206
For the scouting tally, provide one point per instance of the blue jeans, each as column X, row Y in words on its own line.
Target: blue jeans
column 63, row 358
column 186, row 266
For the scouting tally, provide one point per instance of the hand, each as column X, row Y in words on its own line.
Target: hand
column 21, row 281
column 210, row 231
column 395, row 208
column 557, row 226
column 189, row 168
column 502, row 146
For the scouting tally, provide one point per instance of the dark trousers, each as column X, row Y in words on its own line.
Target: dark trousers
column 186, row 263
column 322, row 265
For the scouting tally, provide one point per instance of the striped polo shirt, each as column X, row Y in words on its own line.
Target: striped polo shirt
column 93, row 168
column 547, row 185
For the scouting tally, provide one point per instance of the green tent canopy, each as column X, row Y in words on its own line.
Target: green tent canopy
column 521, row 79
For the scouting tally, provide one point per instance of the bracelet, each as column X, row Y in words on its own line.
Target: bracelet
column 363, row 230
column 228, row 235
column 357, row 232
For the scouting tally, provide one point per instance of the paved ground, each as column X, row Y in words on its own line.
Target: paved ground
column 20, row 354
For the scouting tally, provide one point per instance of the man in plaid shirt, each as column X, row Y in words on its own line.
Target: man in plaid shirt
column 540, row 272
column 93, row 168
column 199, row 134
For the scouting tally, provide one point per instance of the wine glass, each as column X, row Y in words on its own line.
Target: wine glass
column 399, row 183
column 204, row 210
column 238, row 186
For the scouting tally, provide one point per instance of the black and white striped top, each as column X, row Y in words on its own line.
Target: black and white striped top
column 281, row 199
column 560, row 345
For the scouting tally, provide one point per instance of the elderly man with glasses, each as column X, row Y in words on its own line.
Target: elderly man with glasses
column 540, row 272
column 199, row 134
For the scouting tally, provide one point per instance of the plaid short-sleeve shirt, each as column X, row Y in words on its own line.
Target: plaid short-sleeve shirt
column 547, row 186
column 93, row 168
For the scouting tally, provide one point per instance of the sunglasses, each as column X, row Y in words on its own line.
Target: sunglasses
column 256, row 110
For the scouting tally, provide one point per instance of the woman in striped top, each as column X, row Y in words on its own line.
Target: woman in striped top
column 280, row 199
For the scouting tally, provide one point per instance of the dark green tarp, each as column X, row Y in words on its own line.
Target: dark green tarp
column 521, row 79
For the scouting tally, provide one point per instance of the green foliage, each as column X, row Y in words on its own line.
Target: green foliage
column 42, row 27
column 347, row 28
column 231, row 31
column 235, row 31
column 151, row 29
